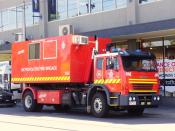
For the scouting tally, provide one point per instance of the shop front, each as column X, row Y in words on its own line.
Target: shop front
column 164, row 50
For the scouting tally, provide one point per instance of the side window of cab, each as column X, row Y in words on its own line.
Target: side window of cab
column 112, row 63
column 99, row 63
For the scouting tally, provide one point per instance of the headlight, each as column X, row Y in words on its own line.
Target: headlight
column 158, row 98
column 133, row 98
column 130, row 98
column 155, row 98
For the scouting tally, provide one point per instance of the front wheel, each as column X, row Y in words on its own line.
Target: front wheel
column 29, row 103
column 99, row 105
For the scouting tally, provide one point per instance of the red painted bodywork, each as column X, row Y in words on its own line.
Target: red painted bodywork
column 49, row 97
column 124, row 87
column 60, row 55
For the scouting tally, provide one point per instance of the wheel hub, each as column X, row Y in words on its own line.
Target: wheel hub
column 97, row 105
column 28, row 101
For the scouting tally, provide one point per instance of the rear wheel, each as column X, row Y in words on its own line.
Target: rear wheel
column 29, row 103
column 136, row 111
column 99, row 105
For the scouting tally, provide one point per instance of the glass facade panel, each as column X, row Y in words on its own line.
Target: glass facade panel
column 36, row 19
column 61, row 9
column 96, row 5
column 19, row 16
column 73, row 8
column 0, row 21
column 12, row 18
column 121, row 3
column 5, row 18
column 109, row 4
column 83, row 7
column 147, row 1
column 29, row 15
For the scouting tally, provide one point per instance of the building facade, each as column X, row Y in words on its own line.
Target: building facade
column 132, row 24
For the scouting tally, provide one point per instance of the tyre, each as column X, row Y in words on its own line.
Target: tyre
column 136, row 111
column 99, row 106
column 29, row 103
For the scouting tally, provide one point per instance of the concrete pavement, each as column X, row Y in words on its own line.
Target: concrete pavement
column 158, row 119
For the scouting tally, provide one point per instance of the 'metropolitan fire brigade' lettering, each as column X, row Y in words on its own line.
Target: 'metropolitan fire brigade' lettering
column 42, row 68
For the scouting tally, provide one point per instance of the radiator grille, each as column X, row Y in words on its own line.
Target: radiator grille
column 142, row 86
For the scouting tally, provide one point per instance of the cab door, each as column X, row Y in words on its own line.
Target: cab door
column 111, row 70
column 99, row 67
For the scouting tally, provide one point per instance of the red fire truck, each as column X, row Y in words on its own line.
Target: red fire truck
column 78, row 71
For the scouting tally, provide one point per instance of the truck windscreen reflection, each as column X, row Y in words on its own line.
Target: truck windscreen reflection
column 139, row 64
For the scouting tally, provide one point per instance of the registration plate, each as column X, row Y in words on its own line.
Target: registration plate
column 132, row 103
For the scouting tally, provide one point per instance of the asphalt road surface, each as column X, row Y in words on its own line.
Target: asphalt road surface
column 15, row 118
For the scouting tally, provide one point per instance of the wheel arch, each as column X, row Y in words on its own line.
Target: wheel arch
column 97, row 88
column 32, row 89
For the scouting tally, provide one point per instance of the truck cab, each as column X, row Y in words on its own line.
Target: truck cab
column 7, row 88
column 5, row 92
column 130, row 77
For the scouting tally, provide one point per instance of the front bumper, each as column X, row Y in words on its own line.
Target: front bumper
column 144, row 100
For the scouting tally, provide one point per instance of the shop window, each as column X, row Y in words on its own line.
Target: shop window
column 34, row 51
column 165, row 56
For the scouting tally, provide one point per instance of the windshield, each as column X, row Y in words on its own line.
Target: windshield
column 132, row 63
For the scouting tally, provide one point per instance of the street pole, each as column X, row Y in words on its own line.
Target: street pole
column 24, row 22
